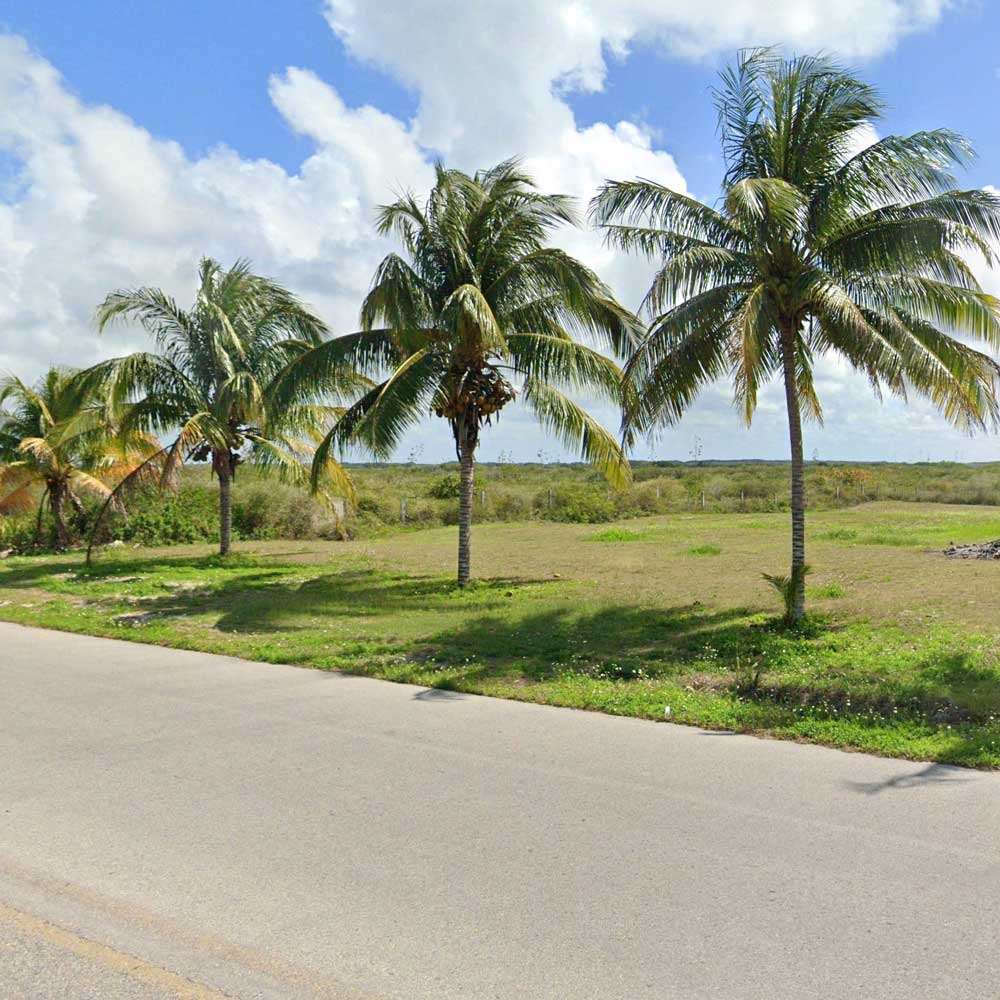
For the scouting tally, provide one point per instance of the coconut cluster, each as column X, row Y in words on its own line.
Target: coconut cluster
column 484, row 392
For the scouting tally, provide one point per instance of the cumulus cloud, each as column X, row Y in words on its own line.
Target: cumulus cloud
column 90, row 200
column 493, row 73
column 98, row 203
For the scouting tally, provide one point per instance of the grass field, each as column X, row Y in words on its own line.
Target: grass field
column 901, row 655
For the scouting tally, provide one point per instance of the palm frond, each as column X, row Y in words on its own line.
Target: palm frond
column 467, row 315
column 636, row 206
column 379, row 418
column 563, row 418
column 755, row 199
column 566, row 362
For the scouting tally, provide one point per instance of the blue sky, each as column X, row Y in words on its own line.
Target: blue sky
column 198, row 99
column 197, row 72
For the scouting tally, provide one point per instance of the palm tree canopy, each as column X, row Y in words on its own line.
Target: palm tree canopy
column 820, row 243
column 213, row 373
column 52, row 437
column 476, row 308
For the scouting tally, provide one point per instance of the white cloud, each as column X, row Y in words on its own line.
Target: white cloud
column 102, row 204
column 490, row 74
column 98, row 202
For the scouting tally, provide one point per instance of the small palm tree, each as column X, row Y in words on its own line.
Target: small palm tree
column 212, row 377
column 478, row 309
column 818, row 247
column 63, row 445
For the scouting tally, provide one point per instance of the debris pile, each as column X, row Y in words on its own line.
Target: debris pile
column 982, row 550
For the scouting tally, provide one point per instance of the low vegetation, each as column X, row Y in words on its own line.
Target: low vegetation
column 900, row 656
column 398, row 497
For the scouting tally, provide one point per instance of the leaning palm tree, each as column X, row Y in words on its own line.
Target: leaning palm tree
column 209, row 384
column 818, row 246
column 61, row 446
column 477, row 310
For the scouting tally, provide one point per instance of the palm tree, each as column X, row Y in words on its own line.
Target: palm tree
column 818, row 246
column 211, row 379
column 478, row 309
column 62, row 443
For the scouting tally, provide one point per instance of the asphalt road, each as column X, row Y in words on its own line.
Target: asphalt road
column 177, row 825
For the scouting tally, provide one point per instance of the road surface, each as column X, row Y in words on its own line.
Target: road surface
column 178, row 825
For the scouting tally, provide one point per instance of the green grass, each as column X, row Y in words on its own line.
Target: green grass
column 837, row 535
column 900, row 656
column 618, row 535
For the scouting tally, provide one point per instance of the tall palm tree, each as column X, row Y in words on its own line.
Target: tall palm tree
column 211, row 379
column 477, row 310
column 818, row 246
column 62, row 445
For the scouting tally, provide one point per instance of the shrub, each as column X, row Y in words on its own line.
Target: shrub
column 378, row 508
column 17, row 531
column 509, row 506
column 581, row 504
column 660, row 494
column 718, row 485
column 166, row 524
column 276, row 510
column 785, row 586
column 445, row 488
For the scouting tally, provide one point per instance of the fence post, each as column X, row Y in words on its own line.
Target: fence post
column 702, row 499
column 402, row 509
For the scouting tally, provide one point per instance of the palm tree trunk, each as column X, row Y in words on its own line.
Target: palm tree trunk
column 38, row 520
column 797, row 605
column 224, row 471
column 466, row 462
column 56, row 502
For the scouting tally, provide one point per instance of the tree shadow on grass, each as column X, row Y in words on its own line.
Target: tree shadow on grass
column 484, row 631
column 946, row 688
column 716, row 650
column 617, row 642
column 30, row 574
column 257, row 603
